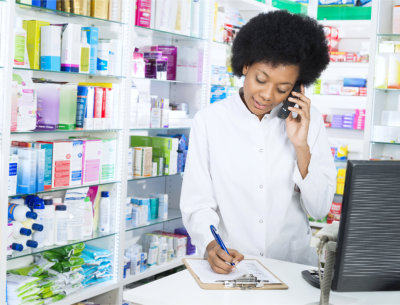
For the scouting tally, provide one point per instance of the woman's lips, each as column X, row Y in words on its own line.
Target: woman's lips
column 259, row 106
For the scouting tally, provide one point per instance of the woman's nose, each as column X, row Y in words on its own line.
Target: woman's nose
column 267, row 93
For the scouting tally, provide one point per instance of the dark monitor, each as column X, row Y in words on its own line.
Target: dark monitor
column 368, row 247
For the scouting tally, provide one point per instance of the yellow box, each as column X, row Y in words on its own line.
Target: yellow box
column 32, row 28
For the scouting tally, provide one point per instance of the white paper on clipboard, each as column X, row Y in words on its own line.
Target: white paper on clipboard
column 207, row 275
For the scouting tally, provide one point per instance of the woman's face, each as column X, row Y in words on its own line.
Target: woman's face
column 266, row 86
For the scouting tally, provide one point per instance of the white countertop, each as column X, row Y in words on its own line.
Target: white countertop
column 181, row 289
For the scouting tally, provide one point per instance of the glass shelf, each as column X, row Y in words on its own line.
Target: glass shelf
column 155, row 177
column 62, row 13
column 337, row 128
column 65, row 131
column 66, row 188
column 387, row 89
column 159, row 129
column 386, row 143
column 32, row 251
column 148, row 31
column 70, row 73
column 173, row 214
column 388, row 35
column 167, row 81
column 222, row 43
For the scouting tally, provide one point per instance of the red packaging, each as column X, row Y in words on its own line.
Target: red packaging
column 337, row 56
column 334, row 213
column 331, row 32
column 363, row 91
column 351, row 57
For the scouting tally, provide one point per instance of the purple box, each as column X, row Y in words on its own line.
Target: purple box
column 48, row 106
column 171, row 53
column 190, row 248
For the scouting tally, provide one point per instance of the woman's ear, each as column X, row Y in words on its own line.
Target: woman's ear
column 245, row 70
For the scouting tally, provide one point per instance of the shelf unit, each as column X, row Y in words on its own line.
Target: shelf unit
column 198, row 93
column 381, row 99
column 353, row 34
column 128, row 35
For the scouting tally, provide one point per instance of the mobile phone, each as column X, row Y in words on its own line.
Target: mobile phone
column 284, row 111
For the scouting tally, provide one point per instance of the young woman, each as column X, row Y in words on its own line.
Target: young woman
column 251, row 174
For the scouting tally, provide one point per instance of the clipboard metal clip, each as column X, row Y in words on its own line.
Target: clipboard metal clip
column 244, row 282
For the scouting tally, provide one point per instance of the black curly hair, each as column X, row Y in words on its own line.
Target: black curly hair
column 280, row 37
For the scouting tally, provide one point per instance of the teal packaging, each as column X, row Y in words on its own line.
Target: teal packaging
column 48, row 162
column 93, row 41
column 154, row 208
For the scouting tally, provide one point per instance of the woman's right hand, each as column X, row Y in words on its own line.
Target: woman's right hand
column 219, row 259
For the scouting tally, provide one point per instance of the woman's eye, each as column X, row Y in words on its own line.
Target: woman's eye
column 259, row 81
column 281, row 92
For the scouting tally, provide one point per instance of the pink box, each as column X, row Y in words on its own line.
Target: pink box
column 91, row 161
column 143, row 13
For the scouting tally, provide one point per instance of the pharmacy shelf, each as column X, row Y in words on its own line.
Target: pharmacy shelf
column 156, row 33
column 222, row 43
column 173, row 214
column 387, row 89
column 32, row 251
column 57, row 189
column 348, row 29
column 90, row 292
column 155, row 177
column 160, row 129
column 167, row 81
column 68, row 73
column 348, row 65
column 385, row 143
column 62, row 13
column 156, row 270
column 35, row 132
column 394, row 36
column 339, row 101
column 318, row 225
column 346, row 129
column 245, row 5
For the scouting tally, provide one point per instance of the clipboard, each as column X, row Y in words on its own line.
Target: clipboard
column 221, row 286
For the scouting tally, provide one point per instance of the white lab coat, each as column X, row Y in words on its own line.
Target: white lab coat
column 241, row 176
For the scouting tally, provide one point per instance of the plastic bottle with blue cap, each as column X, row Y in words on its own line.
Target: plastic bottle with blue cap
column 19, row 229
column 20, row 212
column 61, row 225
column 105, row 213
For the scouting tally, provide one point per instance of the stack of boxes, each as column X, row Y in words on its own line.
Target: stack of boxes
column 44, row 165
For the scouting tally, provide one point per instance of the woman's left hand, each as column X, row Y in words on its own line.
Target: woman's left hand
column 297, row 128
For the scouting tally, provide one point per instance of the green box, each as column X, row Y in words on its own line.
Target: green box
column 163, row 147
column 291, row 6
column 343, row 12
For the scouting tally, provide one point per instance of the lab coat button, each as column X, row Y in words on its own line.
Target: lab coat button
column 261, row 186
column 260, row 221
column 261, row 254
column 261, row 150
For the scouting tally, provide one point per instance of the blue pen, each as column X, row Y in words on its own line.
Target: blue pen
column 219, row 240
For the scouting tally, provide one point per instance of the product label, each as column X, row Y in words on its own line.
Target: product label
column 102, row 64
column 61, row 171
column 19, row 51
